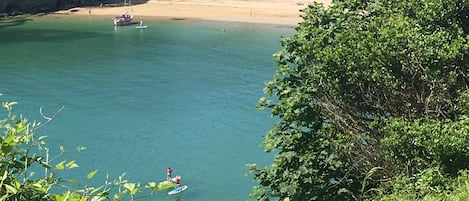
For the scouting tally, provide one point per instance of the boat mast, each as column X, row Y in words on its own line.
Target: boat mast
column 125, row 7
column 131, row 10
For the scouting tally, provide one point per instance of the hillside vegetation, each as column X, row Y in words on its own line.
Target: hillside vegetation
column 372, row 100
column 18, row 7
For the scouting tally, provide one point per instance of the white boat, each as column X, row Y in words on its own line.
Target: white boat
column 124, row 19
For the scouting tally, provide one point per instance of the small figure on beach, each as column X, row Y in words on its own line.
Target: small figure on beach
column 168, row 173
column 89, row 11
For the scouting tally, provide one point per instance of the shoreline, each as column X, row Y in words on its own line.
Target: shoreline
column 280, row 12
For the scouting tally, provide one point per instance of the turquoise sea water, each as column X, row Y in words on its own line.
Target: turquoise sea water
column 181, row 93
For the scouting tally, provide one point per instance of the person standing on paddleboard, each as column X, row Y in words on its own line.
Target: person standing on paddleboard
column 177, row 180
column 168, row 174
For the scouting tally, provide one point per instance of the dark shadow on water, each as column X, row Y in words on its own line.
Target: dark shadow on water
column 133, row 23
column 43, row 35
column 178, row 19
column 9, row 22
column 286, row 26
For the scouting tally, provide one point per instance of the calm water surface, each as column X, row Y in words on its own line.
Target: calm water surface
column 180, row 94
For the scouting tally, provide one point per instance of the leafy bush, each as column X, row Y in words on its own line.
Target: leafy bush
column 429, row 185
column 420, row 144
column 367, row 91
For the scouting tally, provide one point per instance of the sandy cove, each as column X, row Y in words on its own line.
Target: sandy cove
column 282, row 12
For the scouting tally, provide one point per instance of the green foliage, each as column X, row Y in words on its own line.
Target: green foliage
column 427, row 142
column 429, row 185
column 365, row 91
column 313, row 173
column 16, row 157
column 21, row 152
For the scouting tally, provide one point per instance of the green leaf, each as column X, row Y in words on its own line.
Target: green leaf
column 131, row 188
column 8, row 105
column 80, row 148
column 72, row 164
column 5, row 174
column 11, row 189
column 47, row 166
column 95, row 191
column 91, row 174
column 60, row 166
column 73, row 181
column 4, row 197
column 42, row 137
column 152, row 185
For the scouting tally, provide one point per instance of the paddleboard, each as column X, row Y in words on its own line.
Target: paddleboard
column 141, row 27
column 166, row 184
column 177, row 190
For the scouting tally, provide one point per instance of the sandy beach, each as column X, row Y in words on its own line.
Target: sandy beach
column 282, row 12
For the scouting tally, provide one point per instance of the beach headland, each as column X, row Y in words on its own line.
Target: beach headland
column 281, row 12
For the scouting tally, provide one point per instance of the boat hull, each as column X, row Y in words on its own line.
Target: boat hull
column 122, row 20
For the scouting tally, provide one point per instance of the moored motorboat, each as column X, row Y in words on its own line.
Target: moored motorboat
column 123, row 20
